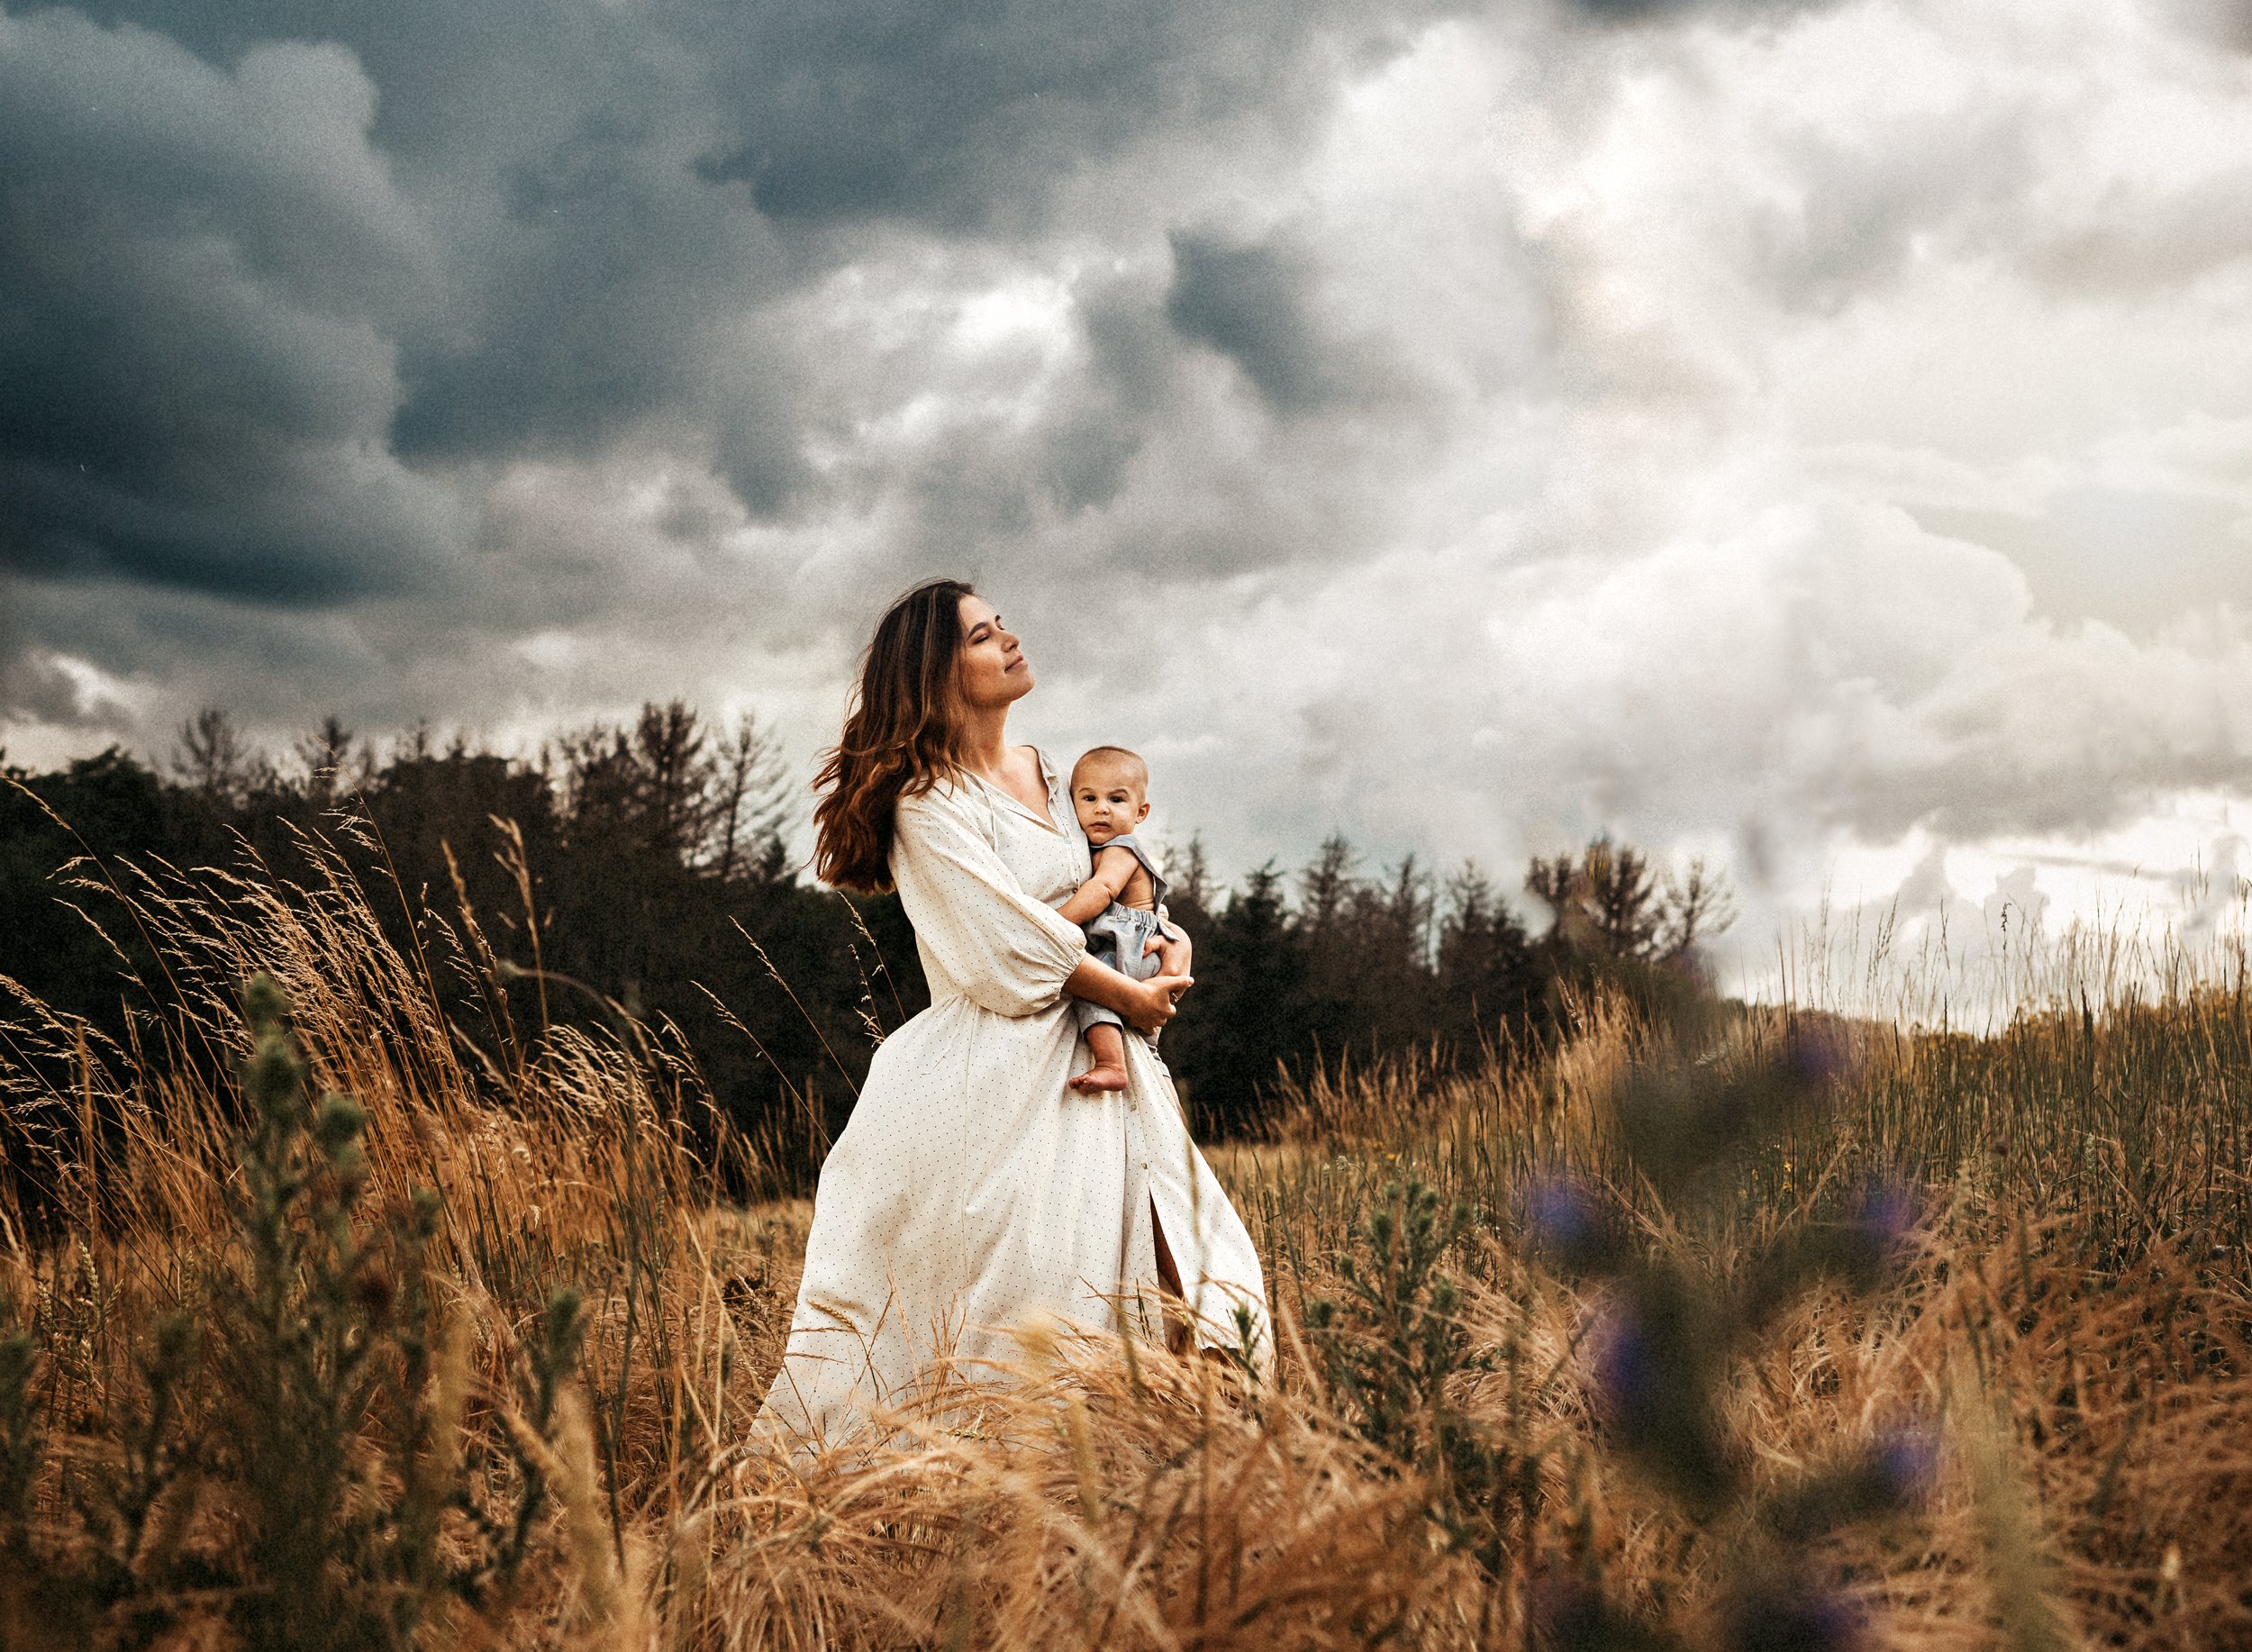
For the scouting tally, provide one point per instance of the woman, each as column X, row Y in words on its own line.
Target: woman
column 973, row 1192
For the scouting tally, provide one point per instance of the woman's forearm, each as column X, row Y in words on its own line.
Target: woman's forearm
column 1098, row 982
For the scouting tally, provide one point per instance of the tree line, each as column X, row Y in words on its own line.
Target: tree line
column 653, row 855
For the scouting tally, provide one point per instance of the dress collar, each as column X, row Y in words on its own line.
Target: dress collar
column 1047, row 777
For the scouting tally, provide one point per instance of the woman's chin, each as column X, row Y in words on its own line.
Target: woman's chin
column 997, row 692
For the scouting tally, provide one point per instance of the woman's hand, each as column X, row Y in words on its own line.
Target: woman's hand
column 1145, row 1005
column 1148, row 1004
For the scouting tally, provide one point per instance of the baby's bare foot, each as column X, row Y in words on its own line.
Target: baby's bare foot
column 1106, row 1076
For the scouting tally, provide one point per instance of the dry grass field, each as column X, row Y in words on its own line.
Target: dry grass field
column 324, row 1323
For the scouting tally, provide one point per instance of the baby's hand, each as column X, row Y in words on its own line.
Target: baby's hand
column 1174, row 953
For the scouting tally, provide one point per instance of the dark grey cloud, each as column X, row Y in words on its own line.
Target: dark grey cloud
column 268, row 274
column 1470, row 427
column 1628, row 13
column 195, row 267
column 1131, row 378
column 597, row 298
column 964, row 114
column 34, row 688
column 289, row 286
column 1250, row 302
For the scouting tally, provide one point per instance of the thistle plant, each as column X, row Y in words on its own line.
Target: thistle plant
column 1395, row 1353
column 1685, row 1301
column 299, row 1371
column 319, row 1389
column 334, row 1325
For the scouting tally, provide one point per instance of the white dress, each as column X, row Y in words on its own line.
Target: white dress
column 972, row 1192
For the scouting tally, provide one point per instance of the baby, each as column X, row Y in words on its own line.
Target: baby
column 1120, row 906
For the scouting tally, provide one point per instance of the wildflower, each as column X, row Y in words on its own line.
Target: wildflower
column 1652, row 1383
column 1626, row 1379
column 1889, row 1212
column 1791, row 1616
column 1894, row 1474
column 1816, row 1059
column 1904, row 1464
column 1871, row 1240
column 1563, row 1219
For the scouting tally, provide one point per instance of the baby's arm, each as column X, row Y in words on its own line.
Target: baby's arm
column 1113, row 869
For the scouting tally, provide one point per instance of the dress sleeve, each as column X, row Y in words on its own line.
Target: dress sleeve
column 998, row 946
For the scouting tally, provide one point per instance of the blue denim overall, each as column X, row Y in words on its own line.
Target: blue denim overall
column 1120, row 936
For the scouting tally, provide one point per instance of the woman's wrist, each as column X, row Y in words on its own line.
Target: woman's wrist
column 1143, row 1004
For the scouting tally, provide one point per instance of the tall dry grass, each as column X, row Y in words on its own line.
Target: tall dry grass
column 2133, row 1118
column 2069, row 1319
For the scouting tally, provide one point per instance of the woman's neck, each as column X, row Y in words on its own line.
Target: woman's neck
column 986, row 742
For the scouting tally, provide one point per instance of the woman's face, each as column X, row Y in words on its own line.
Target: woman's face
column 994, row 669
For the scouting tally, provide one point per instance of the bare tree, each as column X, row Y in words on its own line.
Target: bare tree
column 664, row 785
column 1623, row 898
column 751, row 802
column 324, row 754
column 216, row 761
column 1554, row 882
column 1192, row 880
column 1699, row 905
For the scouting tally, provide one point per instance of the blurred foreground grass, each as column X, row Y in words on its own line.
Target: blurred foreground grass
column 326, row 1323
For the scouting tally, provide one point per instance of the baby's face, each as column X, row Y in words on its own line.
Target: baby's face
column 1108, row 800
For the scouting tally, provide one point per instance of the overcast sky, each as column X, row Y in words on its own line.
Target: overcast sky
column 1818, row 435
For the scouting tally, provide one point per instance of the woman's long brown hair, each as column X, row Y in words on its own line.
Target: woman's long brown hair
column 901, row 735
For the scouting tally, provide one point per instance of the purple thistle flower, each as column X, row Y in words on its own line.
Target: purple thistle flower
column 1817, row 1058
column 1625, row 1365
column 1562, row 1217
column 1904, row 1462
column 1559, row 1214
column 1890, row 1211
column 1781, row 1616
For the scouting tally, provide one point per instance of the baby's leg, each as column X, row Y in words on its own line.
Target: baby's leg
column 1107, row 1044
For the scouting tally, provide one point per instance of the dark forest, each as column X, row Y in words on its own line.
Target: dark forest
column 643, row 867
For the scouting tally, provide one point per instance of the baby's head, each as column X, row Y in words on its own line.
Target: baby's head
column 1110, row 791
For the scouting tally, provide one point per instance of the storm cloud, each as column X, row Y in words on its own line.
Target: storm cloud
column 1765, row 429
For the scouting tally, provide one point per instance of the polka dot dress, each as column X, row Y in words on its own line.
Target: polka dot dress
column 973, row 1192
